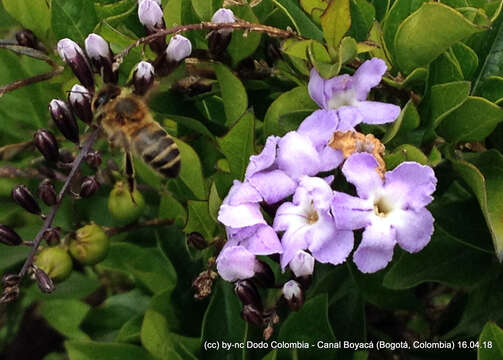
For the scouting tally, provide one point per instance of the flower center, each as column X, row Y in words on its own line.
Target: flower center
column 312, row 215
column 342, row 98
column 382, row 207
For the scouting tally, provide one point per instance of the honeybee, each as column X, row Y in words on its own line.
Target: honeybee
column 127, row 123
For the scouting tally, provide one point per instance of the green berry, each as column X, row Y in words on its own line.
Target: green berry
column 90, row 245
column 55, row 262
column 122, row 207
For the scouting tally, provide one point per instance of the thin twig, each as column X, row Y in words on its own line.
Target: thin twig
column 31, row 80
column 149, row 223
column 52, row 214
column 28, row 51
column 239, row 25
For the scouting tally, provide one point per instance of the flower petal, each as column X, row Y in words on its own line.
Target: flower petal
column 411, row 184
column 273, row 186
column 360, row 170
column 334, row 250
column 302, row 264
column 297, row 156
column 413, row 228
column 316, row 88
column 314, row 190
column 330, row 158
column 235, row 263
column 376, row 248
column 263, row 242
column 375, row 112
column 242, row 193
column 319, row 127
column 349, row 212
column 240, row 215
column 292, row 241
column 349, row 117
column 265, row 159
column 368, row 75
column 289, row 217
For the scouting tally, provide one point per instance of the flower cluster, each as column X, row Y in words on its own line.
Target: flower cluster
column 314, row 221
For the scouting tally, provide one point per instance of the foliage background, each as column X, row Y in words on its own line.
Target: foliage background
column 446, row 71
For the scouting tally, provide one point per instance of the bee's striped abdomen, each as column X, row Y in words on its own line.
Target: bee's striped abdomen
column 157, row 149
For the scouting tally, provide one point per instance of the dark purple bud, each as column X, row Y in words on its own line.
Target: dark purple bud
column 293, row 294
column 150, row 15
column 47, row 193
column 51, row 236
column 197, row 240
column 101, row 56
column 220, row 39
column 9, row 294
column 27, row 38
column 9, row 236
column 65, row 156
column 248, row 294
column 252, row 315
column 44, row 282
column 46, row 143
column 64, row 120
column 179, row 48
column 80, row 102
column 143, row 78
column 71, row 53
column 89, row 186
column 10, row 279
column 264, row 276
column 23, row 197
column 93, row 158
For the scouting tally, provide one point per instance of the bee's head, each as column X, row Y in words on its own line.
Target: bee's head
column 103, row 96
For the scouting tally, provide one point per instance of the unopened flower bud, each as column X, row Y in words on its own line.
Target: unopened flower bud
column 9, row 294
column 101, row 56
column 23, row 197
column 46, row 143
column 51, row 236
column 197, row 240
column 220, row 39
column 55, row 262
column 71, row 53
column 150, row 15
column 293, row 294
column 27, row 38
column 89, row 186
column 90, row 245
column 65, row 156
column 248, row 294
column 10, row 279
column 252, row 315
column 64, row 120
column 44, row 282
column 179, row 48
column 302, row 264
column 143, row 78
column 9, row 236
column 264, row 275
column 93, row 158
column 80, row 102
column 47, row 193
column 122, row 207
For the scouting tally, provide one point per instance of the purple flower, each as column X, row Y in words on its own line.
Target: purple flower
column 347, row 94
column 302, row 264
column 143, row 78
column 179, row 48
column 150, row 15
column 308, row 224
column 392, row 210
column 222, row 16
column 101, row 56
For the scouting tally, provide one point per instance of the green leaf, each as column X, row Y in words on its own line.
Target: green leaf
column 301, row 22
column 222, row 320
column 435, row 263
column 65, row 316
column 403, row 153
column 233, row 94
column 408, row 120
column 474, row 120
column 91, row 350
column 310, row 324
column 237, row 144
column 483, row 172
column 214, row 202
column 130, row 331
column 362, row 17
column 191, row 172
column 413, row 49
column 444, row 69
column 296, row 99
column 206, row 8
column 335, row 22
column 490, row 342
column 467, row 58
column 73, row 19
column 32, row 14
column 445, row 98
column 77, row 286
column 170, row 208
column 199, row 219
column 148, row 265
column 241, row 45
column 492, row 89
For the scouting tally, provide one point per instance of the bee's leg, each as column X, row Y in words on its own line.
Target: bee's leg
column 129, row 168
